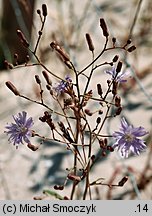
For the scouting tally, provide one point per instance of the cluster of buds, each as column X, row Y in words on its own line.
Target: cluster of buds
column 47, row 118
column 105, row 147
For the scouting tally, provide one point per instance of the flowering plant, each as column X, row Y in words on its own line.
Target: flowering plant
column 79, row 127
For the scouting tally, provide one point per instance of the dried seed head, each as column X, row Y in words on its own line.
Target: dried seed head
column 46, row 76
column 22, row 38
column 131, row 49
column 123, row 181
column 12, row 88
column 104, row 27
column 115, row 59
column 119, row 66
column 44, row 10
column 90, row 43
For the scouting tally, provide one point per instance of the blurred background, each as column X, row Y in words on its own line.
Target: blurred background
column 23, row 173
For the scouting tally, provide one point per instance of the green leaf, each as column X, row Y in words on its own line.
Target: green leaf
column 54, row 194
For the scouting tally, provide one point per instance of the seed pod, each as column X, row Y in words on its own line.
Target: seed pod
column 131, row 49
column 104, row 27
column 12, row 88
column 90, row 43
column 44, row 10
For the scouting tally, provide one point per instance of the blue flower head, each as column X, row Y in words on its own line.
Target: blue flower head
column 127, row 139
column 61, row 87
column 120, row 77
column 20, row 130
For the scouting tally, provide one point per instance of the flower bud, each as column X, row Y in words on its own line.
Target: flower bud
column 119, row 66
column 115, row 59
column 60, row 51
column 118, row 111
column 113, row 40
column 37, row 78
column 131, row 49
column 98, row 120
column 104, row 27
column 117, row 101
column 88, row 112
column 74, row 177
column 44, row 10
column 22, row 38
column 45, row 74
column 32, row 147
column 123, row 181
column 89, row 41
column 12, row 88
column 38, row 11
column 99, row 90
column 129, row 41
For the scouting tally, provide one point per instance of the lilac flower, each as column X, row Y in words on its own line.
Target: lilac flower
column 120, row 76
column 20, row 130
column 127, row 139
column 61, row 87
